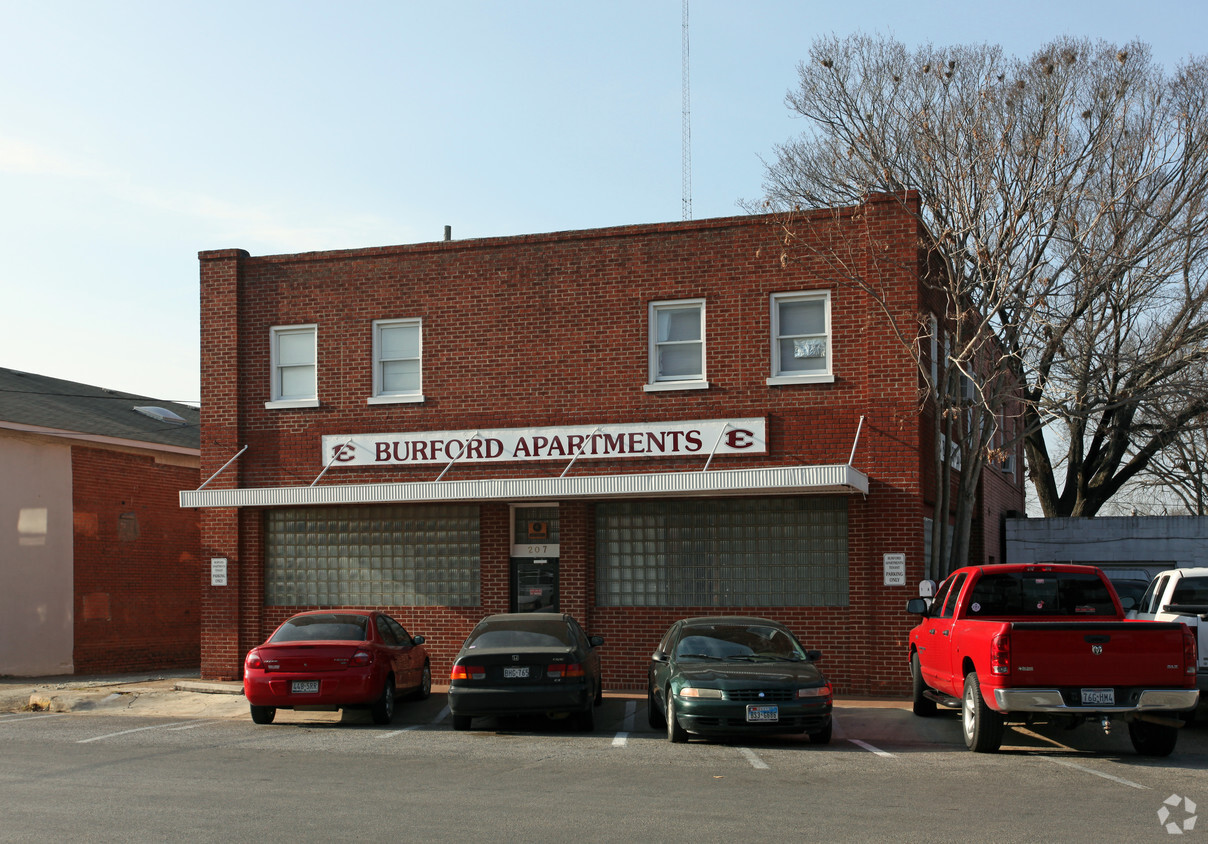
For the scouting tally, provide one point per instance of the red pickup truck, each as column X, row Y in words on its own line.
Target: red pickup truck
column 1014, row 643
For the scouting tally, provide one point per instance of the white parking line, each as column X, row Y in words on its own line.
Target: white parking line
column 138, row 730
column 19, row 716
column 1120, row 780
column 882, row 753
column 755, row 761
column 622, row 738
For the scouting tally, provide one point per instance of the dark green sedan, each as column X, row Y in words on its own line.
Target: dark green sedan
column 729, row 675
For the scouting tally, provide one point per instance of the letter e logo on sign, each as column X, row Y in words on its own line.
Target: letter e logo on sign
column 739, row 439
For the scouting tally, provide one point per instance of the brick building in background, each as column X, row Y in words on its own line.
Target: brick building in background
column 99, row 571
column 633, row 425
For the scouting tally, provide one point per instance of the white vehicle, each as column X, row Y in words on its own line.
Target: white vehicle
column 1181, row 595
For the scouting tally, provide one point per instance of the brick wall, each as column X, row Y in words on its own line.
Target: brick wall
column 137, row 567
column 552, row 330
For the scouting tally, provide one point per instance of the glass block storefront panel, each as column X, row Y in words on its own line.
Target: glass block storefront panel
column 390, row 555
column 753, row 552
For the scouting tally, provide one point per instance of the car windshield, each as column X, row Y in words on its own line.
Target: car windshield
column 520, row 633
column 1040, row 594
column 738, row 641
column 327, row 628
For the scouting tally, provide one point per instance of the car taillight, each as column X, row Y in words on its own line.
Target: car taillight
column 573, row 669
column 1000, row 654
column 1190, row 652
column 253, row 659
column 361, row 658
column 468, row 672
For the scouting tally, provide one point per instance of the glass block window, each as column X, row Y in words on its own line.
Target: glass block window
column 390, row 555
column 754, row 552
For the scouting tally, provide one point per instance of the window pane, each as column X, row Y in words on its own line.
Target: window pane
column 802, row 317
column 295, row 347
column 679, row 361
column 400, row 376
column 803, row 355
column 399, row 341
column 678, row 324
column 297, row 382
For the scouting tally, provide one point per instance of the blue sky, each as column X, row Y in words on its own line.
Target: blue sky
column 135, row 134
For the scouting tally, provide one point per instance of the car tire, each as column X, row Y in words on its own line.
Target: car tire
column 983, row 727
column 922, row 705
column 383, row 708
column 425, row 683
column 1150, row 739
column 822, row 736
column 461, row 722
column 675, row 733
column 654, row 713
column 263, row 714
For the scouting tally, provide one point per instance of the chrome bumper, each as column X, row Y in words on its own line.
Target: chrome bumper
column 1050, row 700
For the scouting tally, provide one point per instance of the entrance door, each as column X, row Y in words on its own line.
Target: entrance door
column 534, row 584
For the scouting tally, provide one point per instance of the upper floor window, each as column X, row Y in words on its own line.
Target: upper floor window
column 397, row 361
column 677, row 345
column 293, row 364
column 801, row 338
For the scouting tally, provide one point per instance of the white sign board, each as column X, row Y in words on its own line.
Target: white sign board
column 218, row 571
column 565, row 443
column 895, row 569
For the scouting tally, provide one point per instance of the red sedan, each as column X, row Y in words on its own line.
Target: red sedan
column 326, row 660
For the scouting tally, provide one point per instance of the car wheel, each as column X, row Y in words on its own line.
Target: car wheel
column 461, row 722
column 822, row 736
column 1151, row 739
column 654, row 714
column 383, row 708
column 922, row 705
column 586, row 721
column 263, row 714
column 675, row 733
column 425, row 683
column 983, row 727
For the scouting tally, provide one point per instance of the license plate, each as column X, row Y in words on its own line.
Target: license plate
column 515, row 672
column 304, row 687
column 763, row 713
column 1098, row 697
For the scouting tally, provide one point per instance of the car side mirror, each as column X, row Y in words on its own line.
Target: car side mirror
column 918, row 606
column 595, row 641
column 1128, row 603
column 417, row 640
column 658, row 656
column 813, row 656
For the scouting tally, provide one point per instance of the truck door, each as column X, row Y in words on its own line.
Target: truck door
column 935, row 642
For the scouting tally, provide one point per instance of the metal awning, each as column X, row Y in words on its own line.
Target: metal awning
column 836, row 479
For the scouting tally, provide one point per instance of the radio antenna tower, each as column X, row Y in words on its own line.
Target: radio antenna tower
column 687, row 127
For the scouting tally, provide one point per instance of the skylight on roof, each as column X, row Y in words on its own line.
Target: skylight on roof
column 162, row 414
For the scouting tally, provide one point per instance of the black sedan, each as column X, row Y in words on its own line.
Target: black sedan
column 728, row 675
column 526, row 664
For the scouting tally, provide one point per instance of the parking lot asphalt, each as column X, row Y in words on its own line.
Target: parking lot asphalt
column 181, row 694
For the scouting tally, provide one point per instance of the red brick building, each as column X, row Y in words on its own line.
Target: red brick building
column 632, row 425
column 100, row 570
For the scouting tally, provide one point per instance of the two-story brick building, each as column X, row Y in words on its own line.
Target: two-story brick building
column 632, row 425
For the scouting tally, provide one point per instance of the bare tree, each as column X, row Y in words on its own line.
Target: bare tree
column 1063, row 200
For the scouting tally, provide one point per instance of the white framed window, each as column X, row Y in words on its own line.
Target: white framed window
column 294, row 367
column 397, row 361
column 677, row 345
column 801, row 338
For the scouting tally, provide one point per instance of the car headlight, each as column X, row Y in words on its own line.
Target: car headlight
column 693, row 691
column 816, row 693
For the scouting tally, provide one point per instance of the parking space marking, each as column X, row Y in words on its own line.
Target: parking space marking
column 755, row 761
column 440, row 716
column 622, row 737
column 1084, row 769
column 139, row 730
column 882, row 753
column 21, row 717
